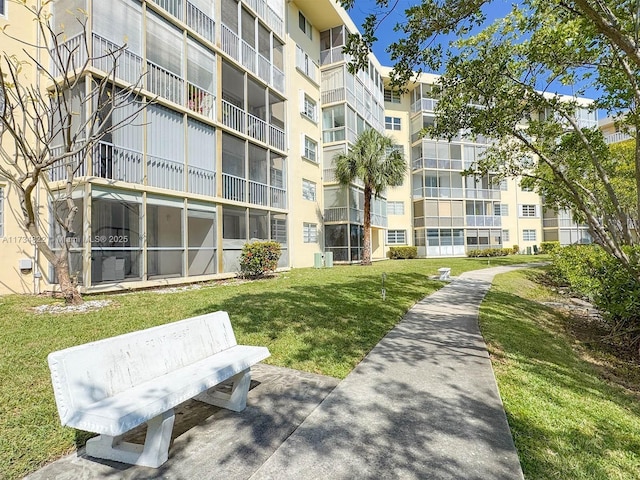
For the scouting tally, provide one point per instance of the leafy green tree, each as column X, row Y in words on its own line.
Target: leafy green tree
column 498, row 81
column 373, row 160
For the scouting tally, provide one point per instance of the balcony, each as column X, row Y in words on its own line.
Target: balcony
column 247, row 56
column 196, row 19
column 268, row 15
column 164, row 83
column 237, row 119
column 352, row 215
column 482, row 194
column 439, row 192
column 237, row 188
column 425, row 105
column 116, row 163
column 433, row 163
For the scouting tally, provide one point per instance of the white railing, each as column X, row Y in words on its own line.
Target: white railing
column 439, row 192
column 201, row 22
column 331, row 96
column 128, row 66
column 163, row 173
column 202, row 181
column 617, row 137
column 278, row 197
column 482, row 194
column 71, row 54
column 256, row 128
column 277, row 137
column 249, row 57
column 270, row 17
column 333, row 55
column 58, row 171
column 337, row 214
column 174, row 7
column 419, row 163
column 278, row 79
column 329, row 175
column 230, row 42
column 378, row 220
column 233, row 117
column 484, row 221
column 164, row 83
column 258, row 193
column 264, row 68
column 234, row 188
column 200, row 101
column 117, row 163
column 425, row 104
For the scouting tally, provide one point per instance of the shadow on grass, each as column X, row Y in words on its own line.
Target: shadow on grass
column 566, row 422
column 332, row 324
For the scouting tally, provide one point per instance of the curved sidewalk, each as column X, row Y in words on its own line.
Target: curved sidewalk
column 422, row 404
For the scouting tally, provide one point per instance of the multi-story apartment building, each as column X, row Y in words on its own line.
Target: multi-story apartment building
column 247, row 104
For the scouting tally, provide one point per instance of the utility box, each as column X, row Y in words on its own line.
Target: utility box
column 317, row 260
column 25, row 264
column 328, row 259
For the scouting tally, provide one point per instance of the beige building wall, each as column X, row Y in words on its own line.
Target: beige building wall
column 16, row 246
column 523, row 224
column 304, row 117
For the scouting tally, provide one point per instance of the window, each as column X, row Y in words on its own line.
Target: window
column 396, row 237
column 308, row 190
column 526, row 188
column 505, row 236
column 309, row 108
column 310, row 149
column 395, row 208
column 310, row 232
column 1, row 202
column 392, row 123
column 3, row 8
column 529, row 235
column 305, row 64
column 503, row 185
column 528, row 210
column 304, row 25
column 501, row 209
column 391, row 96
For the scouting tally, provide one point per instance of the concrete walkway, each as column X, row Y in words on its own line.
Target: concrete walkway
column 423, row 404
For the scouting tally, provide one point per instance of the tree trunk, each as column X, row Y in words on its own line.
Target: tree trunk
column 67, row 288
column 366, row 243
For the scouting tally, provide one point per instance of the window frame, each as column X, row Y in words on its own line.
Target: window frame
column 392, row 123
column 399, row 237
column 311, row 188
column 505, row 236
column 304, row 25
column 529, row 235
column 529, row 210
column 306, row 102
column 392, row 96
column 309, row 232
column 309, row 142
column 394, row 210
column 4, row 9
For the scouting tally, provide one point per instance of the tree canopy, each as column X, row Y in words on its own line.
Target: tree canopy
column 500, row 79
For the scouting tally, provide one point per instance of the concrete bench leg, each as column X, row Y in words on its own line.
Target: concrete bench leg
column 153, row 453
column 236, row 400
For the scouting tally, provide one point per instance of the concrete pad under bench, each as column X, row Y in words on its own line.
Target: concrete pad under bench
column 211, row 442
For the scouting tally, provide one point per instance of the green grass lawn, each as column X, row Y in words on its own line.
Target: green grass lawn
column 567, row 422
column 321, row 321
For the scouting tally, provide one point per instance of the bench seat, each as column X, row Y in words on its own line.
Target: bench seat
column 113, row 385
column 118, row 414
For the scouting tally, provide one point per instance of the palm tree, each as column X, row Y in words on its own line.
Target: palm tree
column 375, row 162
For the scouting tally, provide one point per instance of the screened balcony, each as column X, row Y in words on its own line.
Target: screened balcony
column 197, row 14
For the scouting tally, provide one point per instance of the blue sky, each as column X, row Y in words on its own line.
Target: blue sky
column 386, row 35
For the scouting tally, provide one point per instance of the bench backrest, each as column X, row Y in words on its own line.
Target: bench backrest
column 91, row 372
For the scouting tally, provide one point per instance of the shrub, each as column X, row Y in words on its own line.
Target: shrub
column 549, row 247
column 590, row 272
column 515, row 249
column 258, row 258
column 395, row 253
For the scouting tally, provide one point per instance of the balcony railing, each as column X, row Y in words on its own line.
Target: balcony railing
column 249, row 57
column 343, row 214
column 200, row 100
column 201, row 22
column 439, row 192
column 117, row 163
column 484, row 221
column 482, row 194
column 270, row 17
column 129, row 65
column 256, row 128
column 237, row 119
column 335, row 95
column 164, row 173
column 174, row 7
column 442, row 164
column 278, row 197
column 258, row 193
column 424, row 104
column 234, row 188
column 617, row 137
column 58, row 171
column 164, row 83
column 72, row 52
column 333, row 55
column 230, row 42
column 202, row 181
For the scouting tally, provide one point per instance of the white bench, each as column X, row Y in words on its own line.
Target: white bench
column 113, row 385
column 444, row 273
